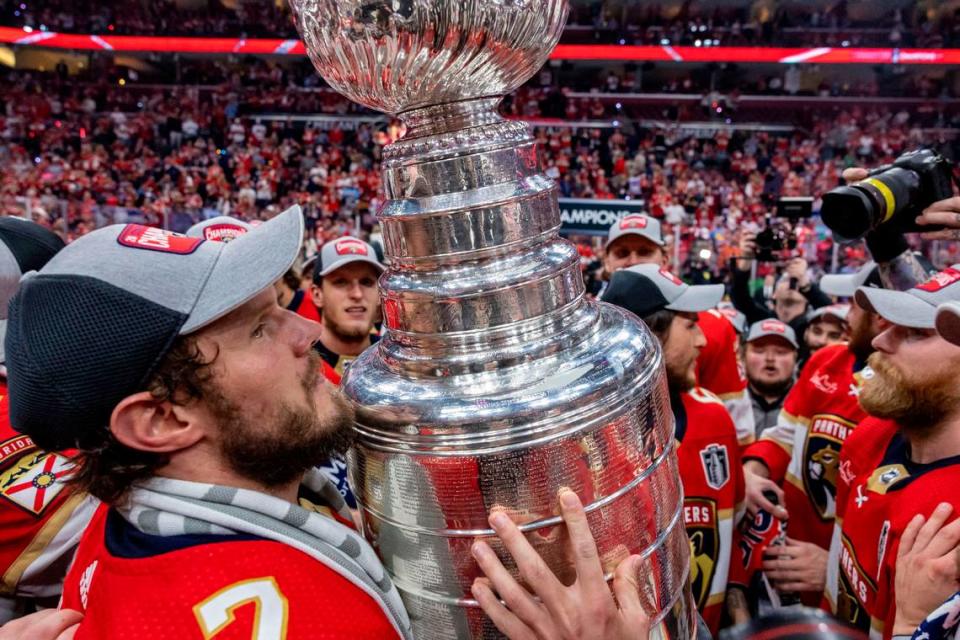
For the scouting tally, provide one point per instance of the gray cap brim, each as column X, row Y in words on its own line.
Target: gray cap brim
column 342, row 262
column 246, row 266
column 897, row 307
column 843, row 285
column 948, row 322
column 698, row 298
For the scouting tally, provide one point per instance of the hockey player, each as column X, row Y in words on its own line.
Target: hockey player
column 902, row 461
column 708, row 451
column 637, row 239
column 801, row 453
column 41, row 516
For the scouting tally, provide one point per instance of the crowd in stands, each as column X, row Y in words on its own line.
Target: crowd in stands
column 627, row 23
column 80, row 156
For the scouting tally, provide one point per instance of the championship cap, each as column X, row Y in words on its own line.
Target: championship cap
column 219, row 229
column 736, row 318
column 774, row 328
column 845, row 285
column 638, row 224
column 645, row 288
column 916, row 307
column 838, row 311
column 948, row 322
column 91, row 327
column 342, row 251
column 24, row 246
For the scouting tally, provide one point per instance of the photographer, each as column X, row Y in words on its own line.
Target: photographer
column 793, row 293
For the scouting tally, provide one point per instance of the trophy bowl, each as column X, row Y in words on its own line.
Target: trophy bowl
column 397, row 55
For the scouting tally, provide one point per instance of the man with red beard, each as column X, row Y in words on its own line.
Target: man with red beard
column 798, row 458
column 345, row 289
column 902, row 461
column 708, row 451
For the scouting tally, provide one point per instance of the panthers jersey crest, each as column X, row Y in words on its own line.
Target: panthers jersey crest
column 821, row 461
column 700, row 519
column 35, row 480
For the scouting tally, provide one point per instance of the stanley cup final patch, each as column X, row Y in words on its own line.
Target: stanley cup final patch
column 138, row 236
column 35, row 480
column 716, row 465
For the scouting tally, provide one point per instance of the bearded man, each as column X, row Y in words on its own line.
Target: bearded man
column 902, row 461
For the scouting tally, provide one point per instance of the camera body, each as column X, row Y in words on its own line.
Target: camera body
column 778, row 235
column 893, row 194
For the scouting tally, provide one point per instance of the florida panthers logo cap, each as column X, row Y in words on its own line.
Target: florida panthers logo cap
column 638, row 224
column 645, row 288
column 342, row 251
column 219, row 229
column 916, row 307
column 91, row 326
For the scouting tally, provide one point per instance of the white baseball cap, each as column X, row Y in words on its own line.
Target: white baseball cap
column 636, row 224
column 845, row 285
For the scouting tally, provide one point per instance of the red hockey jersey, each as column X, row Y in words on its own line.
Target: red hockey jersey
column 720, row 371
column 879, row 492
column 133, row 585
column 40, row 516
column 712, row 477
column 802, row 450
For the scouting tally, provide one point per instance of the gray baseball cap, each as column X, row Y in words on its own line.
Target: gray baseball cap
column 948, row 322
column 774, row 328
column 736, row 318
column 636, row 224
column 342, row 251
column 845, row 285
column 916, row 307
column 219, row 229
column 645, row 288
column 92, row 325
column 838, row 311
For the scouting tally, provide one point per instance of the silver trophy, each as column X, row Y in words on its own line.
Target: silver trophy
column 496, row 382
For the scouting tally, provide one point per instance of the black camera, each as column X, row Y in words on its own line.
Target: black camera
column 778, row 235
column 893, row 194
column 775, row 238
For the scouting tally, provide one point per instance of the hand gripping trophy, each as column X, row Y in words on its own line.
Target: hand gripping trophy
column 496, row 383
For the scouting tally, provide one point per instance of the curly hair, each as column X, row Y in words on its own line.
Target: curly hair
column 106, row 468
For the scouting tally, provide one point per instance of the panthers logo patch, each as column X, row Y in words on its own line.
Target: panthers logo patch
column 700, row 519
column 821, row 461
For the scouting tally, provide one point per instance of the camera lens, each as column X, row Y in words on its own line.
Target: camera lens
column 850, row 212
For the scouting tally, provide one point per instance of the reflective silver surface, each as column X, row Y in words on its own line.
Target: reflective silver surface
column 496, row 383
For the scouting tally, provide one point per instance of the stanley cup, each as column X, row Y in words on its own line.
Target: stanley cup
column 496, row 383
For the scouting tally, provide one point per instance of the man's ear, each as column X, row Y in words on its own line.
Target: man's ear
column 316, row 294
column 141, row 422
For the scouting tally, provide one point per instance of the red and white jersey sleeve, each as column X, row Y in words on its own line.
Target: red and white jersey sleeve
column 803, row 449
column 720, row 371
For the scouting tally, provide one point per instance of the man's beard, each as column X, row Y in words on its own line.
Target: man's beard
column 346, row 334
column 679, row 379
column 860, row 343
column 278, row 454
column 771, row 389
column 916, row 406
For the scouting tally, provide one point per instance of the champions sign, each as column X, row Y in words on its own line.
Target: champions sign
column 594, row 217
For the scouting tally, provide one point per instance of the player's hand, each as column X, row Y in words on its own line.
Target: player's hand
column 945, row 213
column 796, row 566
column 927, row 570
column 585, row 609
column 755, row 483
column 797, row 268
column 50, row 624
